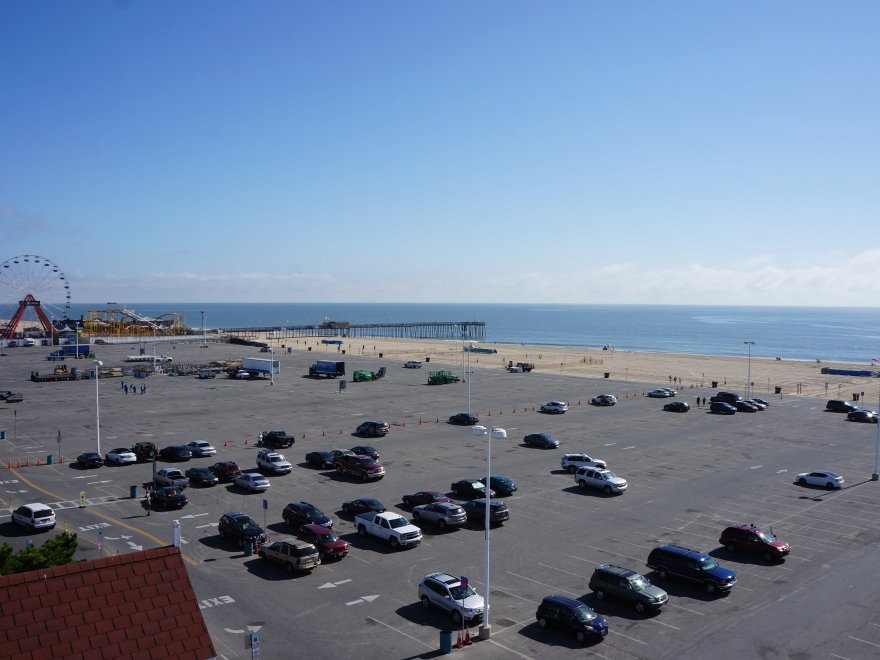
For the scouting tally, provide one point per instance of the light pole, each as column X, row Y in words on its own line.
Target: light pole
column 876, row 475
column 98, row 364
column 204, row 338
column 271, row 365
column 749, row 381
column 498, row 434
column 469, row 377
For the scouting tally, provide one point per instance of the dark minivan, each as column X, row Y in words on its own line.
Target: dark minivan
column 572, row 615
column 837, row 405
column 691, row 565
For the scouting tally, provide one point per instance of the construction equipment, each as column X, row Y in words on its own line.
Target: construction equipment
column 363, row 375
column 442, row 378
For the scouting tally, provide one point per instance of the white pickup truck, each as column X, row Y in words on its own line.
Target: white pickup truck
column 273, row 462
column 171, row 477
column 388, row 526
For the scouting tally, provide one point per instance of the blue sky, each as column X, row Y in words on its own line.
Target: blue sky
column 576, row 152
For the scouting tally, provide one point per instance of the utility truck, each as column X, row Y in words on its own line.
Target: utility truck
column 327, row 369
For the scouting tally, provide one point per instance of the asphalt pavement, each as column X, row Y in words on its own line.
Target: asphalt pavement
column 689, row 476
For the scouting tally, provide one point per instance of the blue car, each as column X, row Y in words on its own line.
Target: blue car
column 571, row 615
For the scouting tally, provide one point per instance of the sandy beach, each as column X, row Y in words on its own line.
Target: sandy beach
column 794, row 377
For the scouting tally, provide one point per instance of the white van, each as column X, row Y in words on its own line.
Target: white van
column 34, row 516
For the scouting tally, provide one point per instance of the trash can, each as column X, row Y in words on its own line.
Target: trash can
column 343, row 351
column 607, row 374
column 381, row 355
column 714, row 383
column 310, row 348
column 427, row 359
column 3, row 435
column 778, row 389
column 248, row 548
column 855, row 396
column 50, row 459
column 445, row 641
column 133, row 492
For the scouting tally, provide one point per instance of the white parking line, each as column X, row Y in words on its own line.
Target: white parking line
column 633, row 639
column 543, row 584
column 397, row 630
column 610, row 552
column 663, row 623
column 553, row 568
column 864, row 641
column 686, row 609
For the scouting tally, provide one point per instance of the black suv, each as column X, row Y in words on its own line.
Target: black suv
column 837, row 405
column 297, row 514
column 145, row 451
column 240, row 528
column 572, row 615
column 691, row 565
column 726, row 397
column 609, row 580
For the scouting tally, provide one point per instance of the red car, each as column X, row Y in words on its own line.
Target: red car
column 225, row 470
column 329, row 545
column 425, row 497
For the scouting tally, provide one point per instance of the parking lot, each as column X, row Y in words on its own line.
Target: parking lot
column 689, row 476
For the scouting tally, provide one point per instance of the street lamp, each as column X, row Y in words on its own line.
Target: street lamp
column 204, row 338
column 498, row 434
column 98, row 364
column 749, row 381
column 272, row 365
column 876, row 475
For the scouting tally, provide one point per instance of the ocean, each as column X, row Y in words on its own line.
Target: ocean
column 801, row 333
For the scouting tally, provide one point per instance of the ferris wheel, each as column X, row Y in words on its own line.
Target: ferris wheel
column 32, row 288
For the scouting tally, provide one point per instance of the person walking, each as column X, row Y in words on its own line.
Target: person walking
column 125, row 387
column 148, row 502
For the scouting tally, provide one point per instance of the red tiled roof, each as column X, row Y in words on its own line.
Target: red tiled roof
column 140, row 604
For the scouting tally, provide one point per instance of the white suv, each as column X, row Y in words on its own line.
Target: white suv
column 446, row 592
column 412, row 364
column 554, row 407
column 572, row 462
column 606, row 480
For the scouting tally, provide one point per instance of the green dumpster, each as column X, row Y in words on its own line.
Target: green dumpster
column 3, row 434
column 248, row 548
column 50, row 459
column 133, row 492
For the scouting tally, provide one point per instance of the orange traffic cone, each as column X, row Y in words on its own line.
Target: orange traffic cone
column 225, row 443
column 61, row 459
column 19, row 462
column 245, row 440
column 467, row 637
column 9, row 464
column 38, row 460
column 28, row 462
column 458, row 641
column 304, row 436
